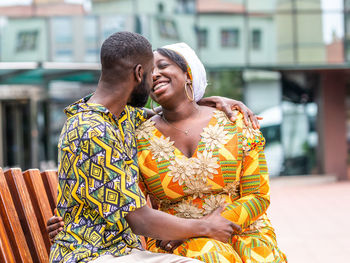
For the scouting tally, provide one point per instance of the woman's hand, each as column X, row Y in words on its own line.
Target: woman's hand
column 53, row 226
column 169, row 245
column 228, row 105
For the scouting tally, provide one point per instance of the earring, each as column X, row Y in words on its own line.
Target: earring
column 191, row 88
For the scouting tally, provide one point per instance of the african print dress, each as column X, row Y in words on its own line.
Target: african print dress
column 228, row 167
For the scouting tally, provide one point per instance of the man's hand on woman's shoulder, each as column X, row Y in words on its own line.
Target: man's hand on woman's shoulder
column 228, row 106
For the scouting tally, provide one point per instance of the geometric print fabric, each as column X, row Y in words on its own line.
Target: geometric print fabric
column 240, row 163
column 98, row 182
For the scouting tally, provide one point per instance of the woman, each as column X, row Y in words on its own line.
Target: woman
column 193, row 160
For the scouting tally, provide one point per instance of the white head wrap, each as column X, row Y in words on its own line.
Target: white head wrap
column 197, row 70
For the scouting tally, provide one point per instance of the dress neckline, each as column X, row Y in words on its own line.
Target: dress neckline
column 176, row 149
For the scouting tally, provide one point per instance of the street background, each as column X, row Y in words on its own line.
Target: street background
column 287, row 60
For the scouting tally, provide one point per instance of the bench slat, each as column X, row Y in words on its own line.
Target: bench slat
column 40, row 202
column 50, row 180
column 26, row 214
column 12, row 224
column 6, row 253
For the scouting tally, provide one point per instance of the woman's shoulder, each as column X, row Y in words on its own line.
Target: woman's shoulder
column 250, row 137
column 206, row 111
column 145, row 130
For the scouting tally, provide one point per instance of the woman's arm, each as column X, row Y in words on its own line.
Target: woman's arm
column 254, row 185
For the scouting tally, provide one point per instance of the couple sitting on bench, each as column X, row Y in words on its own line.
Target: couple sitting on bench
column 205, row 173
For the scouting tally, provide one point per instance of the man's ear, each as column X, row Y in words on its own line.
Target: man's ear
column 138, row 72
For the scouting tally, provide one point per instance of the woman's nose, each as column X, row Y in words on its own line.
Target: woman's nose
column 155, row 73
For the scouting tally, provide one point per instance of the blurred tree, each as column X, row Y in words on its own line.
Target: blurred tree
column 226, row 83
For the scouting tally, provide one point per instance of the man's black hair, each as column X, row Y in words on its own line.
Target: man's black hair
column 121, row 52
column 173, row 56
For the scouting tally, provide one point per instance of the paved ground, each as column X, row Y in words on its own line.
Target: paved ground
column 311, row 216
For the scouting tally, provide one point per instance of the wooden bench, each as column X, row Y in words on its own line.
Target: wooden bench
column 27, row 201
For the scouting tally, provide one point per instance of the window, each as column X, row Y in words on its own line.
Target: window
column 167, row 29
column 256, row 39
column 230, row 38
column 90, row 30
column 186, row 6
column 62, row 30
column 27, row 40
column 202, row 37
column 160, row 8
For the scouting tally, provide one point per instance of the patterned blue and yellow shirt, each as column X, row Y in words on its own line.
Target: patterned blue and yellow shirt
column 98, row 182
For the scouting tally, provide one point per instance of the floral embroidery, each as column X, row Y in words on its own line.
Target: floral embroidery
column 197, row 188
column 213, row 202
column 250, row 132
column 245, row 145
column 249, row 137
column 232, row 188
column 205, row 165
column 145, row 130
column 181, row 169
column 188, row 210
column 162, row 148
column 255, row 226
column 164, row 205
column 214, row 136
column 221, row 117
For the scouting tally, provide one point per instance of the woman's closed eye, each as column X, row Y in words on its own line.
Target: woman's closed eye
column 162, row 65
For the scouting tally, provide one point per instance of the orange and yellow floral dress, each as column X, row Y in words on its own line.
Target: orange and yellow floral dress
column 228, row 167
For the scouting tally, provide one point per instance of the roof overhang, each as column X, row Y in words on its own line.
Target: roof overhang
column 37, row 73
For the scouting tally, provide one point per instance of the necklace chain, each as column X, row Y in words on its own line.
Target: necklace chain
column 186, row 132
column 166, row 121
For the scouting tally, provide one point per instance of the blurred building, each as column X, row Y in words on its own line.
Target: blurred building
column 286, row 58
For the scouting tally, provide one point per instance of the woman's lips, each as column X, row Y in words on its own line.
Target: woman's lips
column 160, row 87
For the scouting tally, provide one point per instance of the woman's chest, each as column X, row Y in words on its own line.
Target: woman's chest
column 169, row 174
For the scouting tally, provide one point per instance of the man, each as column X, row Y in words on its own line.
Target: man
column 98, row 194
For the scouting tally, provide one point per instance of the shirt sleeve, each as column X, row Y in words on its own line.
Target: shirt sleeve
column 254, row 184
column 110, row 181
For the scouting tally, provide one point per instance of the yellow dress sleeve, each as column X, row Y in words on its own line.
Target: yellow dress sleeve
column 254, row 182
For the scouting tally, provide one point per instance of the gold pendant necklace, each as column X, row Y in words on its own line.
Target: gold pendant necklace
column 186, row 132
column 183, row 131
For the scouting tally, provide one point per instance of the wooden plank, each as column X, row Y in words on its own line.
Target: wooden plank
column 26, row 215
column 12, row 224
column 50, row 179
column 6, row 253
column 40, row 202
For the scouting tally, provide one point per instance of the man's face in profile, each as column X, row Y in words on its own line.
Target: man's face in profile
column 139, row 95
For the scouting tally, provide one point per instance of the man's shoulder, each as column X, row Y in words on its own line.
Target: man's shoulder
column 87, row 125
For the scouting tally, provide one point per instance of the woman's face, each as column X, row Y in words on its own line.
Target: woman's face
column 168, row 80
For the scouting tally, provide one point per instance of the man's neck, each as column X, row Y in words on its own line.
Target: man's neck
column 113, row 98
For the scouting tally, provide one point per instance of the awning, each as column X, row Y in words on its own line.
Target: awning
column 37, row 73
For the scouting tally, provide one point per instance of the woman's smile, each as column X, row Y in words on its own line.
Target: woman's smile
column 159, row 86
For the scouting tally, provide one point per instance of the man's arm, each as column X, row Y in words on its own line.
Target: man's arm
column 228, row 105
column 159, row 225
column 151, row 112
column 221, row 103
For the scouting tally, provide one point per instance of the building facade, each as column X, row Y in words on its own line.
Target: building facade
column 287, row 59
